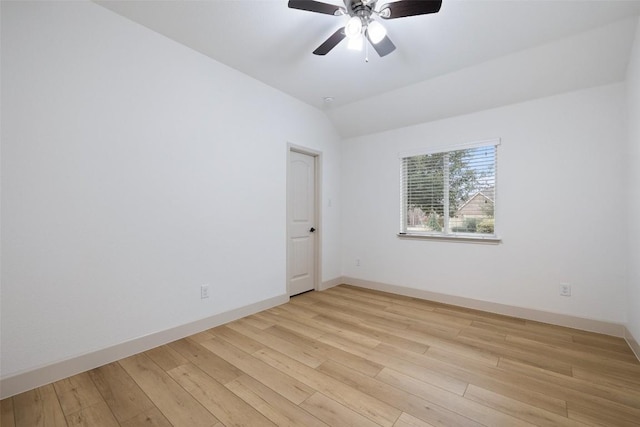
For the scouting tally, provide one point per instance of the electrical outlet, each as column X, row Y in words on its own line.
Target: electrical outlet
column 204, row 291
column 357, row 262
column 565, row 289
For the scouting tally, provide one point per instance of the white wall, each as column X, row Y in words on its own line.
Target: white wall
column 561, row 207
column 633, row 255
column 133, row 171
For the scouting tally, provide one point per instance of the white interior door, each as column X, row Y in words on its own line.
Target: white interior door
column 301, row 202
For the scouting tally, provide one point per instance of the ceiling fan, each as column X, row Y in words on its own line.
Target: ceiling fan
column 362, row 24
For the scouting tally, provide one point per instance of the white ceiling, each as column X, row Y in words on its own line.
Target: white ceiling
column 473, row 54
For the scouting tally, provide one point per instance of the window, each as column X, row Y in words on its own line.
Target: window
column 450, row 193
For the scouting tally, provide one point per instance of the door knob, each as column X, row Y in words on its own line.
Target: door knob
column 312, row 229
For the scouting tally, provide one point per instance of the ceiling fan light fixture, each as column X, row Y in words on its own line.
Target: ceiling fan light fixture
column 354, row 27
column 376, row 32
column 355, row 43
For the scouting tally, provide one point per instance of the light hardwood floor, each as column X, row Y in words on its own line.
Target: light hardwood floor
column 354, row 357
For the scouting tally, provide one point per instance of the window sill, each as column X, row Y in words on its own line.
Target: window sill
column 489, row 240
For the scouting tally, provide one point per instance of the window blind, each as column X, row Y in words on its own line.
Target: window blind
column 450, row 192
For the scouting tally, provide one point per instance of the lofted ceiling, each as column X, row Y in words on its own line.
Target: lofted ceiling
column 472, row 55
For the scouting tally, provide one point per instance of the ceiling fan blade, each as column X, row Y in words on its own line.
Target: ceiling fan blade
column 402, row 8
column 316, row 6
column 331, row 42
column 384, row 47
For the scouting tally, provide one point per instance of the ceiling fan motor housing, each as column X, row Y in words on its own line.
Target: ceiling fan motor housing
column 359, row 8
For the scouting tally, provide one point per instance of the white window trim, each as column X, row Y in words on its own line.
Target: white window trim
column 467, row 238
column 441, row 149
column 452, row 237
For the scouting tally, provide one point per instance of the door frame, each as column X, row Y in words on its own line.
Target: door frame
column 317, row 200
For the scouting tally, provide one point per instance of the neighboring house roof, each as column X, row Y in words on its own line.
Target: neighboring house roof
column 487, row 193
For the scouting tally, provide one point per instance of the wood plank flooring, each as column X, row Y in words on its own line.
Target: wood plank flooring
column 354, row 357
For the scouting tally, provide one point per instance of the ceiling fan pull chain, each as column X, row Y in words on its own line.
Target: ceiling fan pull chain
column 366, row 52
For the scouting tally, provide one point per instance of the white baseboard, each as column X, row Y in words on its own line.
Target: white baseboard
column 331, row 283
column 31, row 379
column 633, row 343
column 591, row 325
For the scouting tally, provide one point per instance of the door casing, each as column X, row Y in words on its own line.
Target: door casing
column 317, row 156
